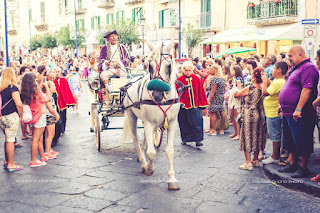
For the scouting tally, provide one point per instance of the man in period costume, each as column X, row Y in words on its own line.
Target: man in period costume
column 113, row 57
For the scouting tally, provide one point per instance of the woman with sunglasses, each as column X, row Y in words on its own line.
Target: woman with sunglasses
column 75, row 86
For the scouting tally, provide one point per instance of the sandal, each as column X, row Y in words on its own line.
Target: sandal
column 5, row 164
column 283, row 162
column 18, row 145
column 237, row 137
column 212, row 134
column 315, row 178
column 25, row 138
column 233, row 135
column 16, row 168
column 207, row 130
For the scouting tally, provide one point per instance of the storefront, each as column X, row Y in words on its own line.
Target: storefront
column 268, row 39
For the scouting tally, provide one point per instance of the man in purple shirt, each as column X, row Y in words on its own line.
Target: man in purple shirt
column 296, row 97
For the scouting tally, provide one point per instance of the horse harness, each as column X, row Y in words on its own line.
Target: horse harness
column 156, row 75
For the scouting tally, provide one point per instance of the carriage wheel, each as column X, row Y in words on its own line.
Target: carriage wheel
column 158, row 134
column 97, row 130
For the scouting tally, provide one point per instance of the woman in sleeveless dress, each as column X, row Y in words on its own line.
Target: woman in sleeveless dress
column 253, row 129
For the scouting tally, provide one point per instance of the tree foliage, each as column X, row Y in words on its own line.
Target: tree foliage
column 192, row 36
column 63, row 38
column 35, row 42
column 127, row 35
column 48, row 41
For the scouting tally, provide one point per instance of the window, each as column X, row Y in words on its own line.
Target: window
column 120, row 16
column 168, row 18
column 80, row 24
column 42, row 10
column 79, row 4
column 205, row 18
column 109, row 19
column 137, row 13
column 95, row 22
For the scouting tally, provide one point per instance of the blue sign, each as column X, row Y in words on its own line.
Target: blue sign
column 310, row 21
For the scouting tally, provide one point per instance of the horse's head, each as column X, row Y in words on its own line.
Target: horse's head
column 161, row 65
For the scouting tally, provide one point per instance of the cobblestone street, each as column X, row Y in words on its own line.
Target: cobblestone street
column 83, row 180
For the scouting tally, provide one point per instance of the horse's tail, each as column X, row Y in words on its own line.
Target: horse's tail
column 126, row 133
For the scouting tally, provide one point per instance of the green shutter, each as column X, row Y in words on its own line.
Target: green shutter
column 98, row 21
column 122, row 17
column 134, row 15
column 82, row 23
column 66, row 3
column 208, row 5
column 107, row 19
column 141, row 12
column 112, row 18
column 92, row 23
column 117, row 17
column 161, row 19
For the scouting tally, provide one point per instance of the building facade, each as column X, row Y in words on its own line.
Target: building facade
column 271, row 26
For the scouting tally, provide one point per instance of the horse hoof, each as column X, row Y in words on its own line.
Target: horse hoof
column 148, row 173
column 173, row 186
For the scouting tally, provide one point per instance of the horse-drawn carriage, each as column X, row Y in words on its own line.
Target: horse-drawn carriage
column 102, row 110
column 150, row 96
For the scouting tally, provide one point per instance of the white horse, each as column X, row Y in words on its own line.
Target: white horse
column 160, row 64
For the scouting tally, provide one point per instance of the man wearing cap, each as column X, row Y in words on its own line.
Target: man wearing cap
column 113, row 57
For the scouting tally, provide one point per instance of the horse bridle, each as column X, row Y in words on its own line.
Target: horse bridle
column 157, row 74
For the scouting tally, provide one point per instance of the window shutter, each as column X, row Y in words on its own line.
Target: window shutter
column 112, row 19
column 107, row 19
column 98, row 21
column 161, row 19
column 92, row 23
column 117, row 17
column 141, row 12
column 82, row 23
column 134, row 15
column 122, row 17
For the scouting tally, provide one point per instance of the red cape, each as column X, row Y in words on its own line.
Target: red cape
column 195, row 96
column 65, row 97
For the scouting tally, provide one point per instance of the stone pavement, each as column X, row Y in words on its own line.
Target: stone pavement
column 84, row 180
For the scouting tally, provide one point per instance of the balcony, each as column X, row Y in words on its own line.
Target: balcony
column 12, row 31
column 81, row 11
column 41, row 25
column 132, row 2
column 106, row 4
column 271, row 12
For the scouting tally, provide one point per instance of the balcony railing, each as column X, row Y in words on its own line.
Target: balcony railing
column 106, row 4
column 271, row 9
column 205, row 20
column 134, row 1
column 82, row 11
column 41, row 25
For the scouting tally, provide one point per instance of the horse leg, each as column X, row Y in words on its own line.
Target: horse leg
column 132, row 118
column 143, row 146
column 151, row 152
column 172, row 183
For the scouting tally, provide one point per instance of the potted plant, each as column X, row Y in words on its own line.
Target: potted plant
column 251, row 4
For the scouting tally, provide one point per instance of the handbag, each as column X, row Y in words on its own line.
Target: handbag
column 27, row 114
column 239, row 118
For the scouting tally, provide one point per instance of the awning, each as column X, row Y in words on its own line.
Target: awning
column 266, row 33
column 237, row 50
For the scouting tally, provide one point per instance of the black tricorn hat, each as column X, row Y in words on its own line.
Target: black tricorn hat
column 109, row 32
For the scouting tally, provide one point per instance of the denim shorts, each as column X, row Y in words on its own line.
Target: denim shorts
column 298, row 135
column 42, row 121
column 274, row 128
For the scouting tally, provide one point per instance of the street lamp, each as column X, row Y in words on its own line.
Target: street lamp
column 142, row 22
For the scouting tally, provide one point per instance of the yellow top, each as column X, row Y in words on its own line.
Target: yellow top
column 271, row 102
